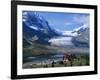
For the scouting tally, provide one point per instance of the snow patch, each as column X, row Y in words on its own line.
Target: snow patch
column 82, row 27
column 33, row 27
column 35, row 38
column 69, row 33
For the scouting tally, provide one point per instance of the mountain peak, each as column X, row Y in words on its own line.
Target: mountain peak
column 79, row 28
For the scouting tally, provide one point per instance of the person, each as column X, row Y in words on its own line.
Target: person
column 53, row 63
column 65, row 57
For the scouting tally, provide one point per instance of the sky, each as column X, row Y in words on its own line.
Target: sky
column 64, row 21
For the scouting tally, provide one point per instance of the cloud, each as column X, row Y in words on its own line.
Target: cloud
column 81, row 19
column 68, row 23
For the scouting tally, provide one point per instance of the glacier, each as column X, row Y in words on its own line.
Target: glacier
column 78, row 38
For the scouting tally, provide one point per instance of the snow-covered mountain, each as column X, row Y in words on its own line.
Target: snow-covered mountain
column 83, row 34
column 78, row 37
column 36, row 28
